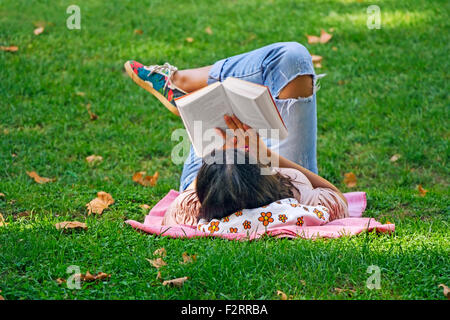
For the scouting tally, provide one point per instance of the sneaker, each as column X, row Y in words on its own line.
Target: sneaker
column 156, row 79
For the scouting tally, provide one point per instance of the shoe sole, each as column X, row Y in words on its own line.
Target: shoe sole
column 148, row 87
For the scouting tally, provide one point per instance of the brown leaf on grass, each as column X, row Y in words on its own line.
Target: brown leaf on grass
column 316, row 60
column 94, row 158
column 2, row 221
column 446, row 290
column 38, row 31
column 422, row 191
column 102, row 202
column 157, row 263
column 38, row 179
column 1, row 297
column 61, row 280
column 282, row 295
column 88, row 277
column 67, row 225
column 324, row 37
column 102, row 276
column 160, row 252
column 138, row 31
column 189, row 39
column 178, row 282
column 9, row 48
column 350, row 180
column 158, row 276
column 208, row 30
column 142, row 179
column 395, row 157
column 187, row 258
column 145, row 206
column 2, row 195
column 92, row 115
column 24, row 214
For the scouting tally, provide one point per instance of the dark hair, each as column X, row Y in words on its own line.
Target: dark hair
column 231, row 180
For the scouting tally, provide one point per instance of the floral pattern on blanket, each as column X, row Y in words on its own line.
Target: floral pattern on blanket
column 285, row 212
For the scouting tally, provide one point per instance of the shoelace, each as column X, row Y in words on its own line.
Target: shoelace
column 165, row 67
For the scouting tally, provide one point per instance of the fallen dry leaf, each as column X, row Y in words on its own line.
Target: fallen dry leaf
column 324, row 37
column 88, row 277
column 208, row 30
column 316, row 60
column 422, row 191
column 138, row 31
column 38, row 31
column 142, row 179
column 24, row 214
column 102, row 202
column 446, row 290
column 94, row 158
column 38, row 179
column 178, row 282
column 9, row 48
column 350, row 180
column 145, row 206
column 187, row 258
column 2, row 221
column 102, row 276
column 395, row 157
column 158, row 276
column 66, row 225
column 282, row 295
column 61, row 280
column 160, row 252
column 1, row 297
column 2, row 195
column 157, row 263
column 92, row 115
column 189, row 39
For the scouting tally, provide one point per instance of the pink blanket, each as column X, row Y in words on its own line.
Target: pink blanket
column 342, row 227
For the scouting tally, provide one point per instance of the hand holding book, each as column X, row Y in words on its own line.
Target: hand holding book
column 241, row 136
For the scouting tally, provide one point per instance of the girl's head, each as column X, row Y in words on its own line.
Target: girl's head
column 230, row 180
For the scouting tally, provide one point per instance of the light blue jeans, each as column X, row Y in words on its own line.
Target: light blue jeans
column 274, row 66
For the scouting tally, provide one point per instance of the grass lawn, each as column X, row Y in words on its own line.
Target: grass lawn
column 386, row 93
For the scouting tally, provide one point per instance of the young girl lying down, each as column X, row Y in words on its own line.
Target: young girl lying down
column 210, row 190
column 224, row 185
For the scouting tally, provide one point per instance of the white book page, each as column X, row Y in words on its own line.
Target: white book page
column 245, row 106
column 204, row 113
column 253, row 104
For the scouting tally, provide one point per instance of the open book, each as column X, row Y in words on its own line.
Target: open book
column 204, row 109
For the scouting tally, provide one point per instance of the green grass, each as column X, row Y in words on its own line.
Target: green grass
column 386, row 93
